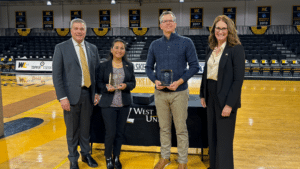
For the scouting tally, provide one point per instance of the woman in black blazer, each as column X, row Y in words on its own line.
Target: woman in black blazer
column 220, row 90
column 115, row 81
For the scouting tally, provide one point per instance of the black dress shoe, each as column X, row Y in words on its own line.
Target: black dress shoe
column 118, row 164
column 89, row 160
column 109, row 163
column 74, row 165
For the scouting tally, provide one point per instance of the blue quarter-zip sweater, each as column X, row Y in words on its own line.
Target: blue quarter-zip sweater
column 174, row 54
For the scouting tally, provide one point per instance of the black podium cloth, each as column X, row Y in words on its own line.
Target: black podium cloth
column 142, row 126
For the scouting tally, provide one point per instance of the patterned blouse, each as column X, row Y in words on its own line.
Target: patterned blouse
column 118, row 77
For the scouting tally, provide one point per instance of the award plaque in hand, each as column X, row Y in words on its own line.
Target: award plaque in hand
column 113, row 80
column 166, row 77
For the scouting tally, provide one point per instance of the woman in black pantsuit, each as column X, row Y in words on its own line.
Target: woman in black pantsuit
column 115, row 81
column 220, row 90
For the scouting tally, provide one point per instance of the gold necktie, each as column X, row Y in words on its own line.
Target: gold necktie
column 85, row 68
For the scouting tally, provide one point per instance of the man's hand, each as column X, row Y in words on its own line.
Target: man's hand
column 226, row 111
column 175, row 84
column 157, row 84
column 65, row 104
column 97, row 99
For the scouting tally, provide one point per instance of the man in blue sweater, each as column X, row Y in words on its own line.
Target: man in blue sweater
column 172, row 52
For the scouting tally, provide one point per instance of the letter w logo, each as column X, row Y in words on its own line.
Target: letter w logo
column 22, row 64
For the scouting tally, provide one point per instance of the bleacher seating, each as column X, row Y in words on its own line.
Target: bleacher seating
column 266, row 55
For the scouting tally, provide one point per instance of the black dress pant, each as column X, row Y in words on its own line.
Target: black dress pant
column 77, row 122
column 114, row 120
column 220, row 131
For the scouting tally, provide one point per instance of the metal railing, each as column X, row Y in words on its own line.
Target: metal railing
column 155, row 31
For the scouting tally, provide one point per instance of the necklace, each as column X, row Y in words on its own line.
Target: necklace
column 117, row 65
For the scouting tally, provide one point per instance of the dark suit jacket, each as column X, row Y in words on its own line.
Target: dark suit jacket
column 67, row 73
column 230, row 77
column 103, row 79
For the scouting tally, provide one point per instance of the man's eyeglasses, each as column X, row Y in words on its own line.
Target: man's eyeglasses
column 221, row 29
column 165, row 21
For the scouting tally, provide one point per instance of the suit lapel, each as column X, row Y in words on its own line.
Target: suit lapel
column 207, row 57
column 222, row 64
column 110, row 67
column 126, row 71
column 73, row 51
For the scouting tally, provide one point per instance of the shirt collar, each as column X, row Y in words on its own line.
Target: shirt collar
column 222, row 46
column 172, row 36
column 76, row 44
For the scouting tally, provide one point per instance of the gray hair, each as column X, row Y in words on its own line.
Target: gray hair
column 167, row 13
column 77, row 20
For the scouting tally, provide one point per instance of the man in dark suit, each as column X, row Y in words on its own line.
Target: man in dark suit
column 74, row 70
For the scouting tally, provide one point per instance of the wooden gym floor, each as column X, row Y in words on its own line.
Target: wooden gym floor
column 267, row 128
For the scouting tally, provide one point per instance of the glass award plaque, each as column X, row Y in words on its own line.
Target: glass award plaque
column 166, row 77
column 114, row 80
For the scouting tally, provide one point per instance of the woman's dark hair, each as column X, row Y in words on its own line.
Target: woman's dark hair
column 110, row 55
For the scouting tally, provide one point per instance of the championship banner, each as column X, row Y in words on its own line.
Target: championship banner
column 21, row 19
column 160, row 11
column 263, row 15
column 104, row 19
column 296, row 15
column 134, row 18
column 76, row 14
column 196, row 19
column 230, row 12
column 48, row 21
column 33, row 65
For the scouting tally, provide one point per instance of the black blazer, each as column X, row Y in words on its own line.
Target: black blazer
column 230, row 76
column 103, row 79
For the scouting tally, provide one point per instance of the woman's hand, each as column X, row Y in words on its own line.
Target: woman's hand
column 110, row 88
column 122, row 86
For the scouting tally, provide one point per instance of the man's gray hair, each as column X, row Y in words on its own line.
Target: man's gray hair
column 167, row 13
column 77, row 20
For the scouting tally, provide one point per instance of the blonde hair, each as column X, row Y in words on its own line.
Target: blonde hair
column 232, row 38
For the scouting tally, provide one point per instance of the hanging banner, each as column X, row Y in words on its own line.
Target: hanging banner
column 160, row 11
column 21, row 19
column 75, row 14
column 101, row 31
column 48, row 21
column 259, row 30
column 263, row 15
column 104, row 19
column 296, row 15
column 196, row 19
column 134, row 18
column 230, row 12
column 24, row 32
column 62, row 31
column 139, row 31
